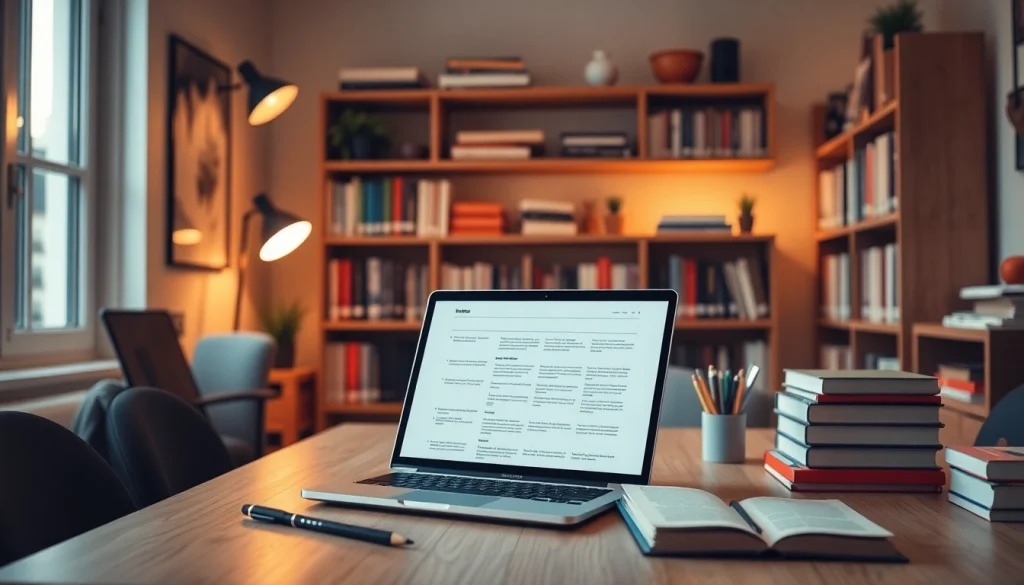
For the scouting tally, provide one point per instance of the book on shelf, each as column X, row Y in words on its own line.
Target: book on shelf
column 547, row 217
column 988, row 481
column 875, row 361
column 500, row 137
column 376, row 289
column 596, row 145
column 992, row 291
column 490, row 152
column 961, row 395
column 835, row 284
column 389, row 206
column 483, row 79
column 477, row 218
column 835, row 357
column 485, row 65
column 860, row 188
column 716, row 289
column 879, row 298
column 690, row 522
column 1003, row 307
column 707, row 132
column 972, row 386
column 800, row 478
column 381, row 78
column 970, row 320
column 361, row 373
column 674, row 224
column 964, row 371
column 722, row 355
column 528, row 274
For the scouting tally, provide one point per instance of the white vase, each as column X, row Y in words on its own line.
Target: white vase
column 601, row 71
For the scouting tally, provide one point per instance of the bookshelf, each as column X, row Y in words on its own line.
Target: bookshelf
column 940, row 225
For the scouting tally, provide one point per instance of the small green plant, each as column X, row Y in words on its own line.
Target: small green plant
column 351, row 123
column 903, row 16
column 283, row 322
column 614, row 204
column 747, row 204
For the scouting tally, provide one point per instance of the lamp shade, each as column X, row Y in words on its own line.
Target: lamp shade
column 282, row 232
column 268, row 96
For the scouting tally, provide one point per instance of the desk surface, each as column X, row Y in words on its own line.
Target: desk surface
column 200, row 536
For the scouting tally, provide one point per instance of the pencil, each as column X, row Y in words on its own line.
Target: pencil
column 727, row 391
column 707, row 394
column 738, row 400
column 700, row 394
column 714, row 389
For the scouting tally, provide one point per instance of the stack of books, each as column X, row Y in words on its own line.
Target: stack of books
column 497, row 144
column 376, row 289
column 857, row 430
column 381, row 78
column 710, row 289
column 480, row 72
column 963, row 382
column 389, row 206
column 711, row 132
column 998, row 306
column 547, row 218
column 988, row 481
column 863, row 187
column 674, row 224
column 472, row 218
column 353, row 372
column 596, row 145
column 602, row 274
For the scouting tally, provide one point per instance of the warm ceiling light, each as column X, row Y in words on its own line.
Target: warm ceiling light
column 268, row 96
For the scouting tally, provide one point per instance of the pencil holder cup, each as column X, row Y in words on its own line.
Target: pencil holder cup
column 723, row 437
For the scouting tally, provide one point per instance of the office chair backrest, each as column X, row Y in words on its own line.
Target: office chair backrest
column 1005, row 423
column 159, row 445
column 53, row 486
column 147, row 347
column 235, row 362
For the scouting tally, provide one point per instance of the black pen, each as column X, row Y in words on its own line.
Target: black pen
column 325, row 526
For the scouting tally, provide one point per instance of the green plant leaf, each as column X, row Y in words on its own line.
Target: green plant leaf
column 283, row 322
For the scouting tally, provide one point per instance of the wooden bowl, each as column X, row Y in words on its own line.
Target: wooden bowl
column 676, row 65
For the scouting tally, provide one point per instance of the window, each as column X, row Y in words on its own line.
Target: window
column 46, row 289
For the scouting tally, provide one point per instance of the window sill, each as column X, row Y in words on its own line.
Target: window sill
column 38, row 382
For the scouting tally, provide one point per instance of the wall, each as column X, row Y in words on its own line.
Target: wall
column 806, row 47
column 231, row 30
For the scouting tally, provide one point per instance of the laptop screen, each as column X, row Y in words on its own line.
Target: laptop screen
column 552, row 384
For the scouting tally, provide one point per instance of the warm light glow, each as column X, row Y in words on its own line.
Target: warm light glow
column 20, row 121
column 272, row 105
column 187, row 237
column 285, row 241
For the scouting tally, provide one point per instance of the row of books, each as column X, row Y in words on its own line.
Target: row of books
column 596, row 145
column 879, row 295
column 722, row 355
column 680, row 224
column 995, row 307
column 376, row 289
column 963, row 382
column 860, row 188
column 716, row 290
column 987, row 481
column 709, row 132
column 459, row 73
column 359, row 372
column 835, row 357
column 879, row 361
column 602, row 274
column 390, row 206
column 497, row 144
column 858, row 430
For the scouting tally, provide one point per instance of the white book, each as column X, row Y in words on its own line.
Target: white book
column 891, row 310
column 746, row 285
column 991, row 291
column 482, row 80
column 333, row 294
column 433, row 221
column 865, row 285
column 746, row 134
column 546, row 206
column 444, row 206
column 535, row 227
column 962, row 395
column 882, row 175
column 700, row 138
column 732, row 284
column 844, row 287
column 619, row 276
column 353, row 209
column 466, row 280
column 760, row 149
column 839, row 187
column 850, row 192
column 374, row 301
column 676, row 121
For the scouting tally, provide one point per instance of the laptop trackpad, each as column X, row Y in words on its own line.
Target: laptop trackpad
column 446, row 498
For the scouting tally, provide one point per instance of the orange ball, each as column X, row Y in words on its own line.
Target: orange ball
column 1012, row 270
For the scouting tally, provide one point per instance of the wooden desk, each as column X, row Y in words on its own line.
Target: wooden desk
column 200, row 537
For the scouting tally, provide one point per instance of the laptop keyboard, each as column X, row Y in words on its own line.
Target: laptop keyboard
column 540, row 492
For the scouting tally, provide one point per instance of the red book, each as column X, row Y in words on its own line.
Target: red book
column 604, row 273
column 396, row 205
column 727, row 132
column 796, row 473
column 538, row 277
column 966, row 386
column 345, row 288
column 690, row 267
column 352, row 374
column 476, row 209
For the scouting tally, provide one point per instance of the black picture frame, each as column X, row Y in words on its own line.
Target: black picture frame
column 1017, row 27
column 198, row 158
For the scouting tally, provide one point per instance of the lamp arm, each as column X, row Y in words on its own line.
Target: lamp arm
column 231, row 87
column 243, row 264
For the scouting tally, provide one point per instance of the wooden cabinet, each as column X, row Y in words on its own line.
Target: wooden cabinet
column 292, row 415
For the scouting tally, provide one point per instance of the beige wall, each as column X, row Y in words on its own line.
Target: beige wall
column 230, row 30
column 806, row 47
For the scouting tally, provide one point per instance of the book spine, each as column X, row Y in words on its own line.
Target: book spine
column 676, row 123
column 358, row 289
column 374, row 302
column 396, row 205
column 444, row 206
column 352, row 377
column 333, row 302
column 604, row 273
column 345, row 289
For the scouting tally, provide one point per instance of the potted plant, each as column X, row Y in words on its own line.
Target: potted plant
column 885, row 24
column 614, row 220
column 357, row 135
column 283, row 323
column 747, row 213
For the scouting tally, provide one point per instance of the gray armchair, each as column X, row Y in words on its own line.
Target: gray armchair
column 226, row 368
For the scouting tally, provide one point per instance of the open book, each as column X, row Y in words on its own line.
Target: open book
column 684, row 521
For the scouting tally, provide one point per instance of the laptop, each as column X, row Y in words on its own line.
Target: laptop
column 525, row 406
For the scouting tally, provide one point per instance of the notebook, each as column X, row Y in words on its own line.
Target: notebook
column 691, row 522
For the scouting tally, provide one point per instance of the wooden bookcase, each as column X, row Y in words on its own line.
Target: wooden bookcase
column 426, row 116
column 997, row 349
column 941, row 181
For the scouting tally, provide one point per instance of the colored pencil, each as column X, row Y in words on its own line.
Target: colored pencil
column 704, row 401
column 738, row 400
column 707, row 393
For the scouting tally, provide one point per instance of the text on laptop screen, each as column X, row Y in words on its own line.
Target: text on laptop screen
column 550, row 384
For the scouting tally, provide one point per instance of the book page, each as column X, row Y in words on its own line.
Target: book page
column 674, row 507
column 780, row 518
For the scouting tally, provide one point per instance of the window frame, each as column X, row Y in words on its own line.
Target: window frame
column 67, row 343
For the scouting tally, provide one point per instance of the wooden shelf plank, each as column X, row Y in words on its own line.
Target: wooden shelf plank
column 709, row 238
column 937, row 331
column 838, row 146
column 723, row 324
column 553, row 165
column 880, row 328
column 521, row 240
column 381, row 96
column 363, row 325
column 831, row 324
column 368, row 409
column 871, row 224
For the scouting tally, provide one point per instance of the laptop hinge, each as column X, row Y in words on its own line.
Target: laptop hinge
column 403, row 469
